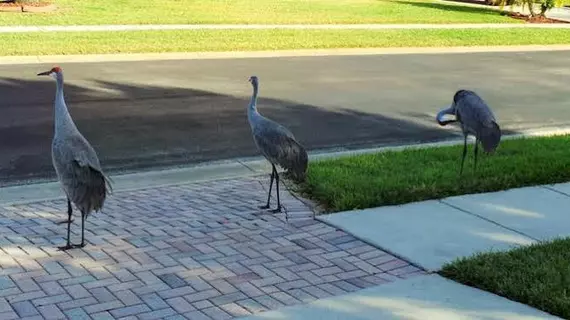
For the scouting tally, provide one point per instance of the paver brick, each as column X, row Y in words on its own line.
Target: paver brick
column 284, row 298
column 227, row 298
column 317, row 292
column 202, row 295
column 26, row 296
column 216, row 313
column 102, row 316
column 51, row 300
column 25, row 308
column 130, row 310
column 251, row 305
column 180, row 304
column 154, row 301
column 157, row 314
column 199, row 250
column 197, row 315
column 127, row 297
column 77, row 303
column 4, row 306
column 170, row 293
column 105, row 306
column 102, row 295
column 9, row 315
column 235, row 310
column 268, row 302
column 202, row 304
column 51, row 312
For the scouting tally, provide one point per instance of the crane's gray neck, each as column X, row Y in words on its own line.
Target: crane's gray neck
column 63, row 121
column 252, row 109
column 450, row 110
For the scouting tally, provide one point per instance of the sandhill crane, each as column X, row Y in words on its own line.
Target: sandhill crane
column 277, row 144
column 76, row 163
column 476, row 118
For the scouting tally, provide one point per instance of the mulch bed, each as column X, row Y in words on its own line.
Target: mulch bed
column 12, row 6
column 535, row 19
column 17, row 4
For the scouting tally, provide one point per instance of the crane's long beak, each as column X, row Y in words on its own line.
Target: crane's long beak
column 47, row 73
column 439, row 117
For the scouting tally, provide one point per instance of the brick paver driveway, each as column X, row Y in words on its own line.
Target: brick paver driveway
column 196, row 251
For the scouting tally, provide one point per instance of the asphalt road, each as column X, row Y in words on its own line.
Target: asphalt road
column 162, row 113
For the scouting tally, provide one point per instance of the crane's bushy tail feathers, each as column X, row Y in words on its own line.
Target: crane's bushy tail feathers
column 297, row 162
column 90, row 189
column 490, row 137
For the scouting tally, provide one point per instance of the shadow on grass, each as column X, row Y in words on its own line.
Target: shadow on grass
column 450, row 7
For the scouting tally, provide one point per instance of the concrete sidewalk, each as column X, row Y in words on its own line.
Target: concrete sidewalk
column 149, row 27
column 417, row 298
column 433, row 233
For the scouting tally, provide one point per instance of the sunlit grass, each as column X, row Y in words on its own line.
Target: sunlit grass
column 538, row 275
column 234, row 40
column 89, row 12
column 398, row 177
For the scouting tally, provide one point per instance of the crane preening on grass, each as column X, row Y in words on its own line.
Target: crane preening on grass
column 476, row 118
column 76, row 163
column 277, row 144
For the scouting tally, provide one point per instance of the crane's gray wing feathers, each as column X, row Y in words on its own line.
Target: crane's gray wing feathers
column 477, row 117
column 88, row 189
column 279, row 146
column 89, row 186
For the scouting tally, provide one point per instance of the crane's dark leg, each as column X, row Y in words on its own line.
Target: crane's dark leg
column 82, row 244
column 464, row 154
column 476, row 145
column 69, row 213
column 82, row 229
column 69, row 210
column 270, row 186
column 278, row 209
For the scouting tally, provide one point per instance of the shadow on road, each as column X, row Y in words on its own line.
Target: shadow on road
column 135, row 127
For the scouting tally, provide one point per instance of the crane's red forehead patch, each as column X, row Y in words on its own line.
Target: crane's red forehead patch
column 56, row 69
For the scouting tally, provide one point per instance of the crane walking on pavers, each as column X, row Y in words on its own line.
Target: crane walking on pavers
column 476, row 118
column 277, row 144
column 76, row 163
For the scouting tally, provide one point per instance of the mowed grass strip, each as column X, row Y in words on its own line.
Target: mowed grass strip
column 537, row 275
column 91, row 12
column 251, row 40
column 397, row 177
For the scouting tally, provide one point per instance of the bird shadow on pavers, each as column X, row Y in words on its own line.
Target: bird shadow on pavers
column 143, row 126
column 449, row 7
column 200, row 241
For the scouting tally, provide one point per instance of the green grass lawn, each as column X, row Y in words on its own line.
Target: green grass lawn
column 232, row 40
column 391, row 178
column 86, row 12
column 537, row 275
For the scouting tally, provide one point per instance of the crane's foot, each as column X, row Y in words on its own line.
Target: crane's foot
column 81, row 245
column 264, row 207
column 65, row 248
column 276, row 210
column 64, row 221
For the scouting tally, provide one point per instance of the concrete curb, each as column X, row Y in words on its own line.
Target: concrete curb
column 12, row 60
column 218, row 170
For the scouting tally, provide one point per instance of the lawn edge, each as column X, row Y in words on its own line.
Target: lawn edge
column 205, row 55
